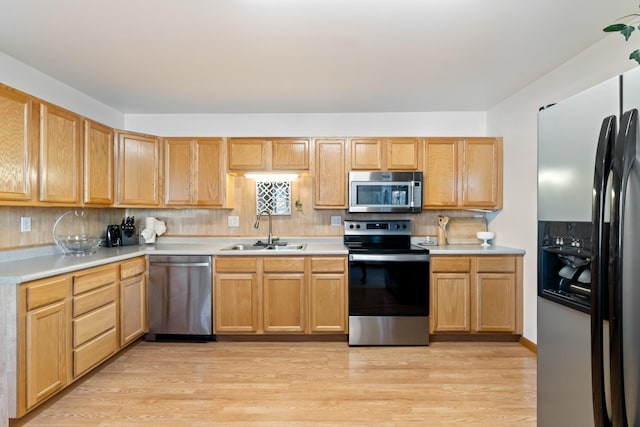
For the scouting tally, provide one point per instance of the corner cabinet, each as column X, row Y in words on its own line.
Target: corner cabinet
column 18, row 147
column 330, row 176
column 463, row 173
column 476, row 294
column 385, row 154
column 194, row 172
column 138, row 170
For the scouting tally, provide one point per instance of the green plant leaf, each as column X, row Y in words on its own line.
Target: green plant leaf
column 635, row 55
column 626, row 31
column 614, row 28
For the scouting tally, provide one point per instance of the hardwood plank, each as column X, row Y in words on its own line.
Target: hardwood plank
column 303, row 383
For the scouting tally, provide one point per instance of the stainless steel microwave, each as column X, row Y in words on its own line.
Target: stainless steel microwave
column 385, row 192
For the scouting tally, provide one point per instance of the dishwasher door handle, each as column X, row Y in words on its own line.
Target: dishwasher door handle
column 180, row 264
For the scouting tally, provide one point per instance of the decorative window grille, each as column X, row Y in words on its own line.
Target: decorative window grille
column 273, row 196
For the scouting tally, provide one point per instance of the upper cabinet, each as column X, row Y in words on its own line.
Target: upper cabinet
column 18, row 152
column 330, row 174
column 60, row 156
column 194, row 172
column 385, row 153
column 258, row 154
column 98, row 164
column 463, row 173
column 138, row 170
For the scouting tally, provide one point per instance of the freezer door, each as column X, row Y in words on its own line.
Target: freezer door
column 567, row 139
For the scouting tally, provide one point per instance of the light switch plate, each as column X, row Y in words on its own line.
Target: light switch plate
column 233, row 221
column 336, row 221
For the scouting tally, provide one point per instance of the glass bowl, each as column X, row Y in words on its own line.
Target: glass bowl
column 76, row 234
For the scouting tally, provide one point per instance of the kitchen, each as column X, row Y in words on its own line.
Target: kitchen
column 512, row 118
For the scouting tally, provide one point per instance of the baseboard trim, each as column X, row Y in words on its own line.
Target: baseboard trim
column 529, row 344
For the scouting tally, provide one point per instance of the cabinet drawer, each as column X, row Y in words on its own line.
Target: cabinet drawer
column 46, row 291
column 94, row 278
column 283, row 264
column 327, row 265
column 236, row 264
column 94, row 299
column 95, row 351
column 132, row 267
column 450, row 264
column 93, row 324
column 491, row 264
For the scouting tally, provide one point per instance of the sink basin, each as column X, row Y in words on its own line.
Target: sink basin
column 250, row 247
column 286, row 247
column 244, row 247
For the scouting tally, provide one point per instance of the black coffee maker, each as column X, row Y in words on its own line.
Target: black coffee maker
column 113, row 236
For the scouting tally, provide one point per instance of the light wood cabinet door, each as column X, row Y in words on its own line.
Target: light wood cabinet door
column 290, row 154
column 247, row 154
column 482, row 173
column 330, row 174
column 46, row 352
column 366, row 154
column 133, row 309
column 209, row 174
column 495, row 302
column 138, row 170
column 450, row 306
column 60, row 156
column 236, row 303
column 98, row 164
column 178, row 172
column 328, row 303
column 441, row 173
column 283, row 302
column 18, row 155
column 402, row 154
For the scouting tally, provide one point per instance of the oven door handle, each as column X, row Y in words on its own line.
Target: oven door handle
column 390, row 257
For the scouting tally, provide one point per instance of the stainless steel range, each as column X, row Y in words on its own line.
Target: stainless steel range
column 388, row 284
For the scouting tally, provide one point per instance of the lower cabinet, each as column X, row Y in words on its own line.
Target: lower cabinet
column 69, row 324
column 43, row 355
column 133, row 300
column 476, row 294
column 280, row 295
column 95, row 317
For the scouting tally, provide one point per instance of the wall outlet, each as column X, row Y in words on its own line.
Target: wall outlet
column 233, row 221
column 336, row 221
column 25, row 224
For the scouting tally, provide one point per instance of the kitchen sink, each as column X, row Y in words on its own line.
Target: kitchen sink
column 286, row 247
column 250, row 247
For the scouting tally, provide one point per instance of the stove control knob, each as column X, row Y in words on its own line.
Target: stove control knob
column 351, row 226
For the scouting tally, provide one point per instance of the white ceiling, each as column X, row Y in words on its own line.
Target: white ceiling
column 307, row 56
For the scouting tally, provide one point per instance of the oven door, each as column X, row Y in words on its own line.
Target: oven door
column 388, row 299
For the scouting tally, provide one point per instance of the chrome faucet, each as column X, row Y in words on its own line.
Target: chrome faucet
column 257, row 224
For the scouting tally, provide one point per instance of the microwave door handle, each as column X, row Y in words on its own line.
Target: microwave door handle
column 412, row 200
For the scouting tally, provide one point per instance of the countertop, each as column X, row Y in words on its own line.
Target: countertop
column 31, row 264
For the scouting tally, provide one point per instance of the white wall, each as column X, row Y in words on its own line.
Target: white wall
column 20, row 76
column 516, row 120
column 354, row 124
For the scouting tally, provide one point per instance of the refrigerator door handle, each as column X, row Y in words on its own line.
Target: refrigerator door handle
column 599, row 263
column 624, row 157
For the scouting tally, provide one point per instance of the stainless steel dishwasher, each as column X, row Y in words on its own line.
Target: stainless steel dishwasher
column 179, row 298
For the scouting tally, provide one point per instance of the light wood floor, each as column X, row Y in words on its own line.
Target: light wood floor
column 303, row 384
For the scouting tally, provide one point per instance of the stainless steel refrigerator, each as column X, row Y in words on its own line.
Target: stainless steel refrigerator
column 589, row 257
